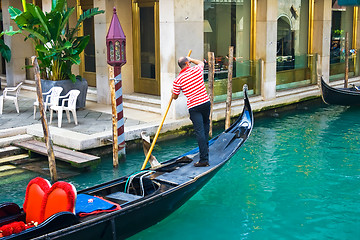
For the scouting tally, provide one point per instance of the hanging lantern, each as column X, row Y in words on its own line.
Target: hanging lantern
column 116, row 43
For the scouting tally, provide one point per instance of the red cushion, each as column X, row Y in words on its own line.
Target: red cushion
column 35, row 192
column 11, row 228
column 60, row 198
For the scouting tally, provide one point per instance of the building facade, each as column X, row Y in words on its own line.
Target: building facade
column 279, row 45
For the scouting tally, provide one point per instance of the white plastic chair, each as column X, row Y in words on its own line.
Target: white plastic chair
column 70, row 98
column 52, row 98
column 5, row 95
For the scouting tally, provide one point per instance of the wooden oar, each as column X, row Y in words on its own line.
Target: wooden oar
column 189, row 53
column 158, row 131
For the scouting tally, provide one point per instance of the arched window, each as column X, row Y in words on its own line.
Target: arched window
column 293, row 67
column 285, row 44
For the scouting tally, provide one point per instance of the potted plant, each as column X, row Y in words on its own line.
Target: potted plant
column 57, row 45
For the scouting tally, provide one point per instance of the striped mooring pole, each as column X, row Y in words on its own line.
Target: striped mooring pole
column 116, row 57
column 119, row 111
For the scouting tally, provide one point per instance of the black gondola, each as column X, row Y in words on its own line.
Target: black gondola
column 153, row 195
column 340, row 96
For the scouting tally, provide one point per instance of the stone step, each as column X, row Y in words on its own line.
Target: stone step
column 12, row 132
column 10, row 159
column 7, row 141
column 142, row 102
column 9, row 171
column 30, row 82
column 91, row 94
column 143, row 98
column 9, row 151
column 29, row 87
column 6, row 168
column 10, row 174
column 142, row 106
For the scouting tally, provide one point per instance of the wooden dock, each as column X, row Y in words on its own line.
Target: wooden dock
column 76, row 159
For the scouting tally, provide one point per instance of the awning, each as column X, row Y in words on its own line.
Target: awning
column 223, row 1
column 349, row 2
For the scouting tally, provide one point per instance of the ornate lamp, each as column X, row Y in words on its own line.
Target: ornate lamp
column 116, row 45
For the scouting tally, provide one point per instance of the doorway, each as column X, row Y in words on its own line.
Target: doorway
column 88, row 62
column 285, row 45
column 146, row 46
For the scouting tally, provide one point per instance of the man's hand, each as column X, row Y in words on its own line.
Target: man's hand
column 174, row 96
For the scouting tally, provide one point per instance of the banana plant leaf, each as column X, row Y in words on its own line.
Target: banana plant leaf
column 5, row 51
column 56, row 43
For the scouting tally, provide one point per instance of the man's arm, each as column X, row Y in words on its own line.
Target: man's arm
column 195, row 61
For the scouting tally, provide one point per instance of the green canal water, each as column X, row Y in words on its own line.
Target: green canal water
column 297, row 177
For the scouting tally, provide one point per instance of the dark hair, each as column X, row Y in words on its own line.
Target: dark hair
column 182, row 62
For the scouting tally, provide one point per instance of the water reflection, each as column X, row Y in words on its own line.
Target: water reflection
column 296, row 178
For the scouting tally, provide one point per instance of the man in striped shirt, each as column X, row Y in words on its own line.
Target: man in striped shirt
column 191, row 82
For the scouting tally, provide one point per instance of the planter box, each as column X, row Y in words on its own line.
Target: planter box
column 68, row 85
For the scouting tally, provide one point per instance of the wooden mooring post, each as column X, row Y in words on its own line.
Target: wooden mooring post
column 48, row 142
column 229, row 88
column 114, row 119
column 346, row 83
column 211, row 73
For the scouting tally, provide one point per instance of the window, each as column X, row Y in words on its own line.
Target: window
column 293, row 64
column 228, row 24
column 341, row 23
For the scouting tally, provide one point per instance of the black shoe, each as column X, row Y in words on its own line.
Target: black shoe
column 202, row 164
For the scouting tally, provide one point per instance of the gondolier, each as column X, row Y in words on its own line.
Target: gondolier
column 191, row 82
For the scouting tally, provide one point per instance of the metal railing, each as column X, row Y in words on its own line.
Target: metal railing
column 295, row 71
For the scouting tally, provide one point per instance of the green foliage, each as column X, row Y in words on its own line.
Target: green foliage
column 4, row 49
column 57, row 45
column 338, row 32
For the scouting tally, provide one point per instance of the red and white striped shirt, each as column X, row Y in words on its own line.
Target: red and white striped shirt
column 191, row 82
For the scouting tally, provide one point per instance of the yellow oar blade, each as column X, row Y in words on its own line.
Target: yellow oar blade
column 146, row 146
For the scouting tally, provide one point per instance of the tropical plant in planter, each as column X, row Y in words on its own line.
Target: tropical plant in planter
column 57, row 45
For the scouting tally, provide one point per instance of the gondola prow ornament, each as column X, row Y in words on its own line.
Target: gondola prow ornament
column 116, row 57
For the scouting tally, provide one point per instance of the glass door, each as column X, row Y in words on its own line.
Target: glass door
column 146, row 50
column 88, row 63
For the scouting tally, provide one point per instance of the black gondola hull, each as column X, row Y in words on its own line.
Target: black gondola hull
column 134, row 220
column 339, row 96
column 153, row 195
